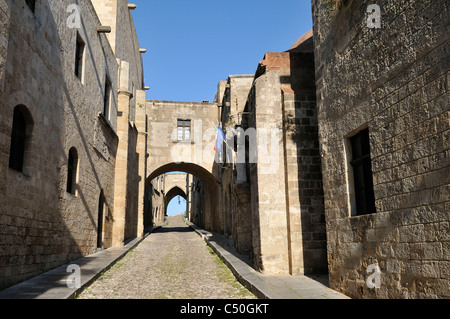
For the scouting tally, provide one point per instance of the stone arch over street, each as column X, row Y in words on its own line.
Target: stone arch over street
column 189, row 168
column 200, row 190
column 181, row 134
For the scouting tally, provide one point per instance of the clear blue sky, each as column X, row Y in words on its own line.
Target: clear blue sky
column 192, row 45
column 174, row 208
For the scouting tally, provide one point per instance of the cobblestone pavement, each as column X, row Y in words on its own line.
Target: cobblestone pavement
column 171, row 263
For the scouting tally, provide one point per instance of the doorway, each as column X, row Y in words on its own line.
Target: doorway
column 101, row 208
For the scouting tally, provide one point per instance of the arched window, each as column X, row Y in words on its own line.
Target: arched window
column 72, row 167
column 21, row 129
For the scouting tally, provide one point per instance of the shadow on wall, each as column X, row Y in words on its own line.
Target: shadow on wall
column 305, row 136
column 77, row 131
column 131, row 214
column 34, row 233
column 47, row 226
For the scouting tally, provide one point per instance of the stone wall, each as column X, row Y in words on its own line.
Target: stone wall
column 304, row 181
column 155, row 204
column 393, row 80
column 194, row 155
column 234, row 98
column 288, row 225
column 4, row 36
column 130, row 169
column 41, row 225
column 162, row 126
column 235, row 216
column 197, row 203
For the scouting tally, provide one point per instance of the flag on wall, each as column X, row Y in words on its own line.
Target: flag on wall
column 220, row 137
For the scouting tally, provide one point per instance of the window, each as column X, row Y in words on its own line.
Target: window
column 184, row 130
column 18, row 137
column 20, row 130
column 362, row 173
column 31, row 4
column 132, row 104
column 107, row 98
column 79, row 57
column 72, row 168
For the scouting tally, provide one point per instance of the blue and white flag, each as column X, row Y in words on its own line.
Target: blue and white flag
column 220, row 137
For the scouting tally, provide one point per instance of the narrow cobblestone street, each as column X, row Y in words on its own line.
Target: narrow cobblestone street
column 171, row 263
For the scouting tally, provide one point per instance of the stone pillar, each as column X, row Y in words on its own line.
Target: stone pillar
column 121, row 180
column 141, row 150
column 272, row 219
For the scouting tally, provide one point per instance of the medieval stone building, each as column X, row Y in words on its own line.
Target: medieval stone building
column 383, row 102
column 71, row 149
column 272, row 193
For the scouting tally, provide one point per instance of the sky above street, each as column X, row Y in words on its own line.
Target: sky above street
column 192, row 45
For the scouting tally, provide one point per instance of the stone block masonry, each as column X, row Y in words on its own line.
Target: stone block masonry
column 42, row 224
column 288, row 224
column 56, row 76
column 393, row 80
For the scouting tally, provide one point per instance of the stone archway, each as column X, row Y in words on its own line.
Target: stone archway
column 202, row 182
column 189, row 168
column 171, row 194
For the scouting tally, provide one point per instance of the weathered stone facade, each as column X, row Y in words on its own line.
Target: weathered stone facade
column 192, row 151
column 54, row 72
column 393, row 80
column 160, row 191
column 166, row 147
column 272, row 204
column 131, row 119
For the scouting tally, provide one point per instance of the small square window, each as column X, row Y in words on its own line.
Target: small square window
column 184, row 130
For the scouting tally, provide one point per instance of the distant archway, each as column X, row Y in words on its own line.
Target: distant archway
column 210, row 211
column 171, row 194
column 176, row 191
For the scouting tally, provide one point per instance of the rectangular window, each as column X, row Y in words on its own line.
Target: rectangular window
column 362, row 173
column 107, row 98
column 79, row 57
column 184, row 130
column 72, row 167
column 132, row 104
column 18, row 139
column 31, row 4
